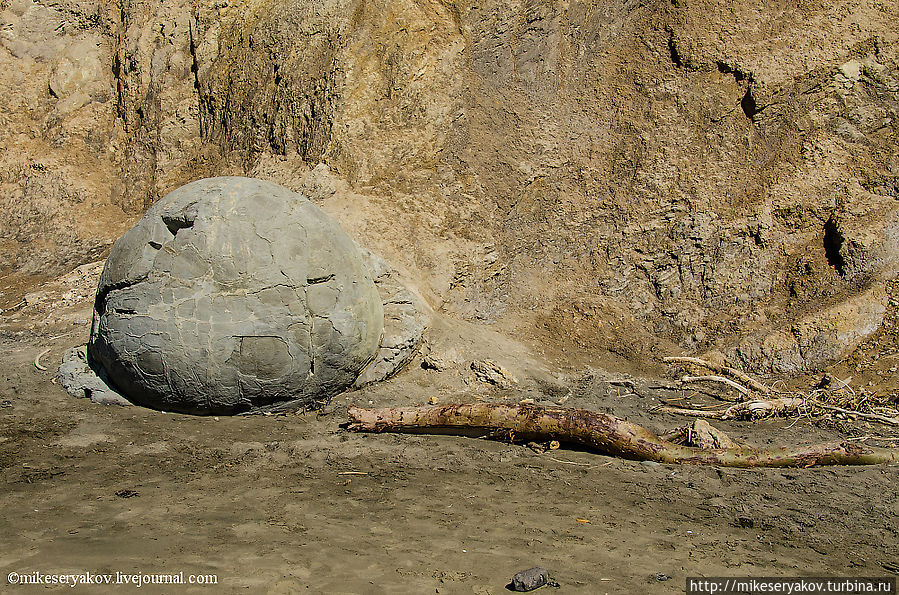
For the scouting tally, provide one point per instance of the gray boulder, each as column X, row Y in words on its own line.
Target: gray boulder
column 406, row 316
column 234, row 295
column 82, row 380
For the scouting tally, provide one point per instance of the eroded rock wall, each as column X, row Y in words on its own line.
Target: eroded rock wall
column 623, row 175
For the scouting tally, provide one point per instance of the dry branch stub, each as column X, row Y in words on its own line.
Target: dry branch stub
column 599, row 432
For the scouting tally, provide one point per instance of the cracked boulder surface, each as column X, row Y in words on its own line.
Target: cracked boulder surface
column 406, row 316
column 234, row 295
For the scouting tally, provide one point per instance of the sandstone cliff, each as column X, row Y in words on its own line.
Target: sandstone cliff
column 627, row 175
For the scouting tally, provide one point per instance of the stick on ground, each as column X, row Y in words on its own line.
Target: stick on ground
column 723, row 370
column 772, row 408
column 37, row 360
column 871, row 416
column 745, row 410
column 599, row 432
column 721, row 379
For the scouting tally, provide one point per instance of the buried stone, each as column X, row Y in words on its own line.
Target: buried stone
column 234, row 295
column 530, row 579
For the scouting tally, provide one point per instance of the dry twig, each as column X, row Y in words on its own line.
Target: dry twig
column 37, row 360
column 783, row 406
column 723, row 370
column 871, row 416
column 720, row 379
column 745, row 410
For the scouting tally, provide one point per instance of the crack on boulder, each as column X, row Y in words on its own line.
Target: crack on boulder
column 176, row 223
column 274, row 286
column 104, row 291
column 318, row 280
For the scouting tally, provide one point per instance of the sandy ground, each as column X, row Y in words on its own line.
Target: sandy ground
column 288, row 503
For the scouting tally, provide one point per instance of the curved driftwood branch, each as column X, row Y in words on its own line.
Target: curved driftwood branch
column 599, row 432
column 721, row 379
column 37, row 360
column 744, row 410
column 723, row 370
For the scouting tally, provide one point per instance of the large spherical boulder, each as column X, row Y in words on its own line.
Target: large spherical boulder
column 232, row 295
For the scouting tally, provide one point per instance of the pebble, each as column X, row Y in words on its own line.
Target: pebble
column 530, row 579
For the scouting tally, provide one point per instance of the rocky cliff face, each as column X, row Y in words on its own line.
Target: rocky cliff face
column 625, row 175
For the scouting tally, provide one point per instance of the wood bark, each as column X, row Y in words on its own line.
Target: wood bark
column 599, row 432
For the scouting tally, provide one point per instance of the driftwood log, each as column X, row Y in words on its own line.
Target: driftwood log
column 599, row 432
